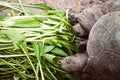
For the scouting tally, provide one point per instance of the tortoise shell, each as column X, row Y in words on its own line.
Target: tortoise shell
column 104, row 49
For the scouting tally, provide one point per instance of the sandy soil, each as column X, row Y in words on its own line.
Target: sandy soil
column 75, row 5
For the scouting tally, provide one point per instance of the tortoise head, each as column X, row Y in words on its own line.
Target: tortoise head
column 73, row 63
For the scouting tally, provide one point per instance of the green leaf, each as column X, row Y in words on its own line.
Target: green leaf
column 2, row 17
column 57, row 13
column 15, row 37
column 21, row 22
column 38, row 49
column 48, row 48
column 49, row 57
column 65, row 37
column 41, row 6
column 51, row 27
column 26, row 22
column 50, row 21
column 50, row 72
column 70, row 77
column 6, row 4
column 59, row 52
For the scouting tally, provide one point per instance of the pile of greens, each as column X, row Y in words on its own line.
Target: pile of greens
column 31, row 44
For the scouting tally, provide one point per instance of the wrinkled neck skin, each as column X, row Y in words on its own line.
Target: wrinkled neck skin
column 83, row 59
column 80, row 61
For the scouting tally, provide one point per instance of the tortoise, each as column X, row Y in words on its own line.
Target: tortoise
column 83, row 22
column 88, row 17
column 101, row 60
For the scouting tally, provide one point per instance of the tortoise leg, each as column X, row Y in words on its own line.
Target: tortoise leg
column 79, row 31
column 82, row 46
column 73, row 63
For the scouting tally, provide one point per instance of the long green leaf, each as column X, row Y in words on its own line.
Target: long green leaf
column 38, row 49
column 6, row 4
column 59, row 52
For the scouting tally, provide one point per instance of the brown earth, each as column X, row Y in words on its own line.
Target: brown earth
column 76, row 5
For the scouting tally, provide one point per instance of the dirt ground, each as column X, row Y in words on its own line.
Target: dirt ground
column 76, row 5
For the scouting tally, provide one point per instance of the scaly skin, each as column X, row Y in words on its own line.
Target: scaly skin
column 74, row 63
